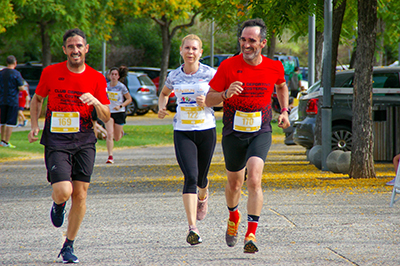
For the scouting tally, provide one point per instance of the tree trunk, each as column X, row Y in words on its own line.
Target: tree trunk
column 271, row 46
column 337, row 20
column 319, row 44
column 362, row 161
column 46, row 49
column 166, row 41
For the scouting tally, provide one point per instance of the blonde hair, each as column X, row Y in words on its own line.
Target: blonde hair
column 192, row 37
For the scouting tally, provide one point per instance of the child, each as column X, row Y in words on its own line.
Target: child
column 23, row 103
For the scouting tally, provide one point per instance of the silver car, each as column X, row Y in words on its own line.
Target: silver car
column 143, row 92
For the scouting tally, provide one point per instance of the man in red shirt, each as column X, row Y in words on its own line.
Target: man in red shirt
column 245, row 83
column 73, row 89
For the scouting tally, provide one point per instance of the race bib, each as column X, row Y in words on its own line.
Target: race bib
column 112, row 96
column 192, row 115
column 64, row 122
column 247, row 122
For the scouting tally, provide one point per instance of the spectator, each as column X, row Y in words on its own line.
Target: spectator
column 11, row 82
column 23, row 104
column 395, row 164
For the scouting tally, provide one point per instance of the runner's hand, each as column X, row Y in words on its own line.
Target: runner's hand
column 283, row 120
column 162, row 113
column 32, row 135
column 234, row 89
column 201, row 100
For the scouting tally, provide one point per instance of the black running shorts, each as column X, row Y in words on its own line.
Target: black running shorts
column 70, row 164
column 238, row 150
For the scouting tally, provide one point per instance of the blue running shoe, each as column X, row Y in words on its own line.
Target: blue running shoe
column 391, row 182
column 57, row 214
column 68, row 256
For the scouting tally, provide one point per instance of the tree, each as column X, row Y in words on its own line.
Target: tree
column 362, row 161
column 7, row 15
column 48, row 19
column 166, row 14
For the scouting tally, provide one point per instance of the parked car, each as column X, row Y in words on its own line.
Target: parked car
column 143, row 92
column 154, row 75
column 218, row 58
column 31, row 72
column 289, row 131
column 386, row 94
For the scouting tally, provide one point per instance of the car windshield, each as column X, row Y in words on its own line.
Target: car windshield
column 314, row 87
column 145, row 80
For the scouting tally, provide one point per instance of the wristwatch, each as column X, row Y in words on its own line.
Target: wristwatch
column 285, row 109
column 120, row 106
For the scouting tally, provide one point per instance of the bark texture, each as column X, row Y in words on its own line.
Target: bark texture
column 362, row 161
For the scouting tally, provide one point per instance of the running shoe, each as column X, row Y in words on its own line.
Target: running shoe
column 391, row 182
column 250, row 244
column 110, row 159
column 25, row 123
column 68, row 256
column 231, row 235
column 7, row 145
column 202, row 207
column 57, row 214
column 193, row 236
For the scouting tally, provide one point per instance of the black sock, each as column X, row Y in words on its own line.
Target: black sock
column 252, row 218
column 234, row 208
column 60, row 205
column 68, row 242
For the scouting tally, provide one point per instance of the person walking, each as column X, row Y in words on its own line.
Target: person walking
column 245, row 83
column 194, row 129
column 11, row 82
column 295, row 82
column 119, row 98
column 73, row 89
column 23, row 103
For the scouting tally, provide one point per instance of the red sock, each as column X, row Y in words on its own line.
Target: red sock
column 234, row 216
column 251, row 228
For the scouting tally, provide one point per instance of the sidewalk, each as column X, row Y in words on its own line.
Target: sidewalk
column 135, row 214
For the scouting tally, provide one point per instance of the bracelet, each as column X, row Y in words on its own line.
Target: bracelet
column 223, row 96
column 285, row 110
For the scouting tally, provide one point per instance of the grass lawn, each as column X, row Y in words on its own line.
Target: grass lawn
column 136, row 136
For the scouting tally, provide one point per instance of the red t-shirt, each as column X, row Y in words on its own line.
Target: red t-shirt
column 258, row 84
column 63, row 89
column 22, row 98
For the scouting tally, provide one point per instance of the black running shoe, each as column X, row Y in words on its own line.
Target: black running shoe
column 68, row 256
column 57, row 214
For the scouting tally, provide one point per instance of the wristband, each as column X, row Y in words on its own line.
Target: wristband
column 223, row 96
column 285, row 109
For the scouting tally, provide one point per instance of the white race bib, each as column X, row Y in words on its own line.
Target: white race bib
column 192, row 114
column 112, row 96
column 247, row 122
column 64, row 122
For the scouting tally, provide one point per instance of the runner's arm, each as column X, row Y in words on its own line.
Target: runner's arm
column 36, row 108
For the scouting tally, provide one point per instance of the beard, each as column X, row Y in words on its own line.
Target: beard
column 252, row 56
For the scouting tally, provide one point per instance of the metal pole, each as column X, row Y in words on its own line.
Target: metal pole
column 326, row 110
column 311, row 50
column 103, row 58
column 212, row 44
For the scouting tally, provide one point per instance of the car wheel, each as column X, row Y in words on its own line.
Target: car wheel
column 342, row 138
column 142, row 111
column 131, row 108
column 155, row 109
column 172, row 108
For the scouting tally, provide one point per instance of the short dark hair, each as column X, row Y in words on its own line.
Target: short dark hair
column 257, row 22
column 72, row 33
column 11, row 60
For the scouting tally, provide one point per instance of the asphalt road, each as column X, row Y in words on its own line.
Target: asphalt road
column 135, row 215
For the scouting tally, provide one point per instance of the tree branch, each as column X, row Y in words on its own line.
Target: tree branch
column 191, row 23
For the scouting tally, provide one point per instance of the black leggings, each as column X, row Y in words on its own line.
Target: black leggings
column 194, row 151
